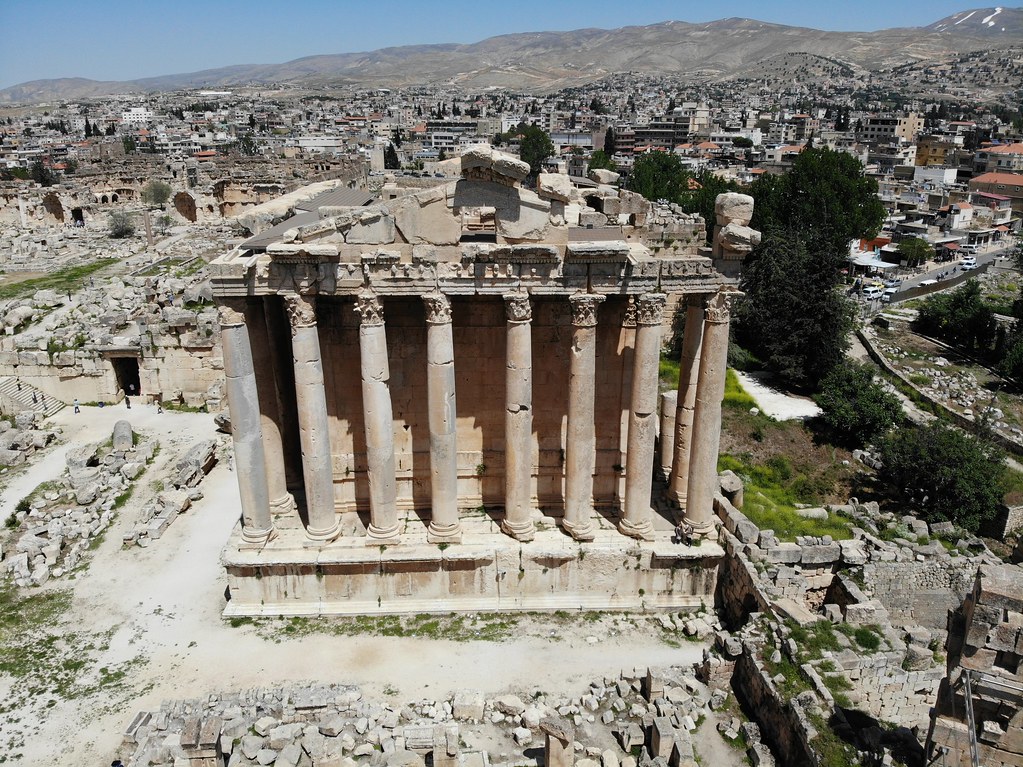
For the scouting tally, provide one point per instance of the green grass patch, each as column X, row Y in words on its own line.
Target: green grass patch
column 668, row 370
column 62, row 280
column 736, row 397
column 772, row 490
column 814, row 640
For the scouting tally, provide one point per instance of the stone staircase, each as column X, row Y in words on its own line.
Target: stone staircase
column 14, row 400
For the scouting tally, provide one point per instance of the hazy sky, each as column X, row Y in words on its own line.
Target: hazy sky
column 120, row 40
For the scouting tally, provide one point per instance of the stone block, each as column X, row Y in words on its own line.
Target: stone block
column 467, row 705
column 123, row 437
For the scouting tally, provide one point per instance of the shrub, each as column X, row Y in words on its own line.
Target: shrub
column 121, row 225
column 949, row 476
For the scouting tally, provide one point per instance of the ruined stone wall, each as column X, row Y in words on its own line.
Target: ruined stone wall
column 783, row 727
column 738, row 594
column 479, row 339
column 886, row 691
column 921, row 593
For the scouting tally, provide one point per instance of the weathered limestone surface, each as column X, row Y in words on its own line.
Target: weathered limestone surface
column 518, row 521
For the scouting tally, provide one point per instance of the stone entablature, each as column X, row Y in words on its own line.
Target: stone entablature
column 572, row 324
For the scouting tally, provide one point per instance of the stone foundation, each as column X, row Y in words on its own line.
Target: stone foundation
column 487, row 571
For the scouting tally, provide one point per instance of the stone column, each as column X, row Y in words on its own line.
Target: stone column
column 440, row 392
column 281, row 501
column 378, row 418
column 628, row 349
column 666, row 434
column 314, row 431
column 518, row 419
column 688, row 376
column 243, row 402
column 703, row 473
column 580, row 447
column 636, row 521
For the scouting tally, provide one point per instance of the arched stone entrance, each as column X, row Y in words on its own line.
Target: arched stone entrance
column 184, row 204
column 53, row 206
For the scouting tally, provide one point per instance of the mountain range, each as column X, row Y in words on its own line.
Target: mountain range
column 546, row 61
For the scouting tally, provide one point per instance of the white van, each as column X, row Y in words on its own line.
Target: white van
column 969, row 249
column 888, row 295
column 872, row 293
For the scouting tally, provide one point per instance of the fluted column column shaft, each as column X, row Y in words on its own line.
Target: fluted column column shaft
column 518, row 423
column 313, row 425
column 246, row 434
column 440, row 392
column 688, row 379
column 281, row 501
column 580, row 447
column 636, row 518
column 378, row 418
column 710, row 392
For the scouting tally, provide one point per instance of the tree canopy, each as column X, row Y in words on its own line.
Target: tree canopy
column 534, row 147
column 794, row 317
column 855, row 409
column 121, row 225
column 659, row 176
column 825, row 197
column 961, row 317
column 949, row 476
column 156, row 192
column 914, row 251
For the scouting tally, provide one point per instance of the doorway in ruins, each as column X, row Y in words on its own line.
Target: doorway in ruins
column 126, row 371
column 77, row 217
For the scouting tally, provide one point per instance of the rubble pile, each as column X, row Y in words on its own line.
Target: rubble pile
column 59, row 523
column 643, row 713
column 21, row 436
column 188, row 472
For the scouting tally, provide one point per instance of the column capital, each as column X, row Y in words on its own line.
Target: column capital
column 719, row 306
column 231, row 313
column 518, row 307
column 650, row 308
column 370, row 309
column 629, row 320
column 438, row 308
column 584, row 309
column 301, row 310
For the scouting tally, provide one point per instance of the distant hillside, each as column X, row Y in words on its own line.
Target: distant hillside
column 550, row 60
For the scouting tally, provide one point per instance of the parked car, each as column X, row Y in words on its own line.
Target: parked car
column 888, row 295
column 872, row 292
column 969, row 249
column 893, row 283
column 968, row 262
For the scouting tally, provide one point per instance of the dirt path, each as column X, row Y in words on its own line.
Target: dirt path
column 160, row 609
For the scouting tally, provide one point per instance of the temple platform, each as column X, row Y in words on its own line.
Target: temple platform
column 486, row 571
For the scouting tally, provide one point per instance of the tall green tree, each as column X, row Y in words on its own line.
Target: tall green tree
column 391, row 161
column 600, row 161
column 535, row 147
column 659, row 176
column 793, row 318
column 826, row 198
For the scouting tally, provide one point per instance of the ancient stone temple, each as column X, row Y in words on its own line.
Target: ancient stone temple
column 451, row 401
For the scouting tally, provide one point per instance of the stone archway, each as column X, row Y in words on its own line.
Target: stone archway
column 184, row 204
column 53, row 206
column 113, row 197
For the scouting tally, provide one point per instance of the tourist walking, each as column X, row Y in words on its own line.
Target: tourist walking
column 76, row 405
column 127, row 401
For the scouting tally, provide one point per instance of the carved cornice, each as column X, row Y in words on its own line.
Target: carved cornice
column 584, row 309
column 438, row 308
column 370, row 309
column 650, row 308
column 719, row 305
column 517, row 307
column 301, row 311
column 231, row 313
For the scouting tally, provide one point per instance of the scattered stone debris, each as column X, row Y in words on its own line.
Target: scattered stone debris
column 647, row 712
column 60, row 519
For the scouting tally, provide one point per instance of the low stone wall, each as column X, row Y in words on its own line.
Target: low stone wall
column 737, row 592
column 491, row 572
